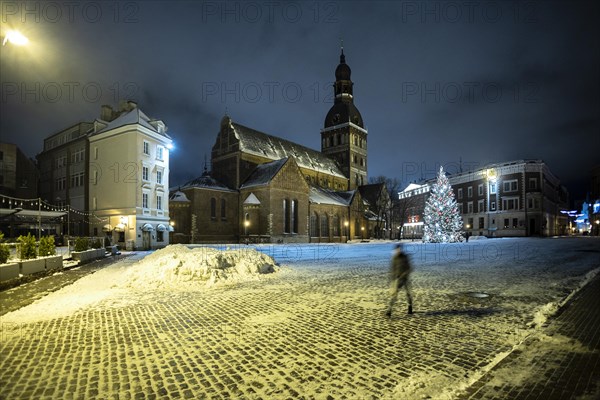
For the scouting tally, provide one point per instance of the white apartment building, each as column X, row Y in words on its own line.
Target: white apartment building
column 129, row 178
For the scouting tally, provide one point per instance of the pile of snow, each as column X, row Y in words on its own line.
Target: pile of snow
column 177, row 266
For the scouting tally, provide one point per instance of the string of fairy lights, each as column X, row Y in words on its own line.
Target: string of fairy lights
column 39, row 205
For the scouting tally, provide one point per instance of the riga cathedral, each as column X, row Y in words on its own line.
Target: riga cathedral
column 263, row 188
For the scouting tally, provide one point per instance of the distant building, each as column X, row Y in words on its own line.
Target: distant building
column 18, row 174
column 517, row 198
column 265, row 188
column 114, row 172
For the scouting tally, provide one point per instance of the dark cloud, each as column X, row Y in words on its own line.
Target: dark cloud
column 436, row 82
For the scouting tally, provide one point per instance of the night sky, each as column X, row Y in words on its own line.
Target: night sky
column 436, row 82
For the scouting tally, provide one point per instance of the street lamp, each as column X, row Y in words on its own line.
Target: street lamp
column 362, row 232
column 15, row 37
column 346, row 224
column 246, row 225
column 492, row 177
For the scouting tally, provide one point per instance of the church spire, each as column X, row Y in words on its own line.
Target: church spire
column 342, row 56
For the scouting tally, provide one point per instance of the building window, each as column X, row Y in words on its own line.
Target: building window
column 514, row 222
column 505, row 223
column 159, row 177
column 144, row 200
column 336, row 226
column 78, row 156
column 470, row 223
column 314, row 228
column 480, row 222
column 146, row 148
column 493, row 188
column 470, row 207
column 160, row 236
column 533, row 183
column 480, row 206
column 213, row 208
column 294, row 214
column 286, row 219
column 223, row 210
column 470, row 192
column 324, row 225
column 61, row 161
column 480, row 189
column 159, row 153
column 460, row 193
column 493, row 206
column 77, row 179
column 159, row 202
column 61, row 183
column 510, row 203
column 1, row 155
column 460, row 208
column 145, row 173
column 530, row 203
column 510, row 186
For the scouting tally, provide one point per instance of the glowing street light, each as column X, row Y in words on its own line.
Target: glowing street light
column 16, row 38
column 346, row 223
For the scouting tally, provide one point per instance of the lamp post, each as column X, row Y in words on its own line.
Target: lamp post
column 492, row 177
column 346, row 224
column 246, row 225
column 362, row 232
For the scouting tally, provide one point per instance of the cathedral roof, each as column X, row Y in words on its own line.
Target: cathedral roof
column 178, row 196
column 342, row 112
column 318, row 195
column 206, row 181
column 263, row 173
column 275, row 148
column 371, row 192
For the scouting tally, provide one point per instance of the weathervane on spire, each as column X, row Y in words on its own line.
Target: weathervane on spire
column 342, row 45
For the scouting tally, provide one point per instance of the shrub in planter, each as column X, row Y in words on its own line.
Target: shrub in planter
column 47, row 246
column 81, row 244
column 97, row 244
column 28, row 247
column 4, row 250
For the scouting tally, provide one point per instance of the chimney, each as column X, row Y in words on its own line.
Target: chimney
column 106, row 113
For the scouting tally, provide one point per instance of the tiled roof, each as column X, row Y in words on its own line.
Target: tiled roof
column 135, row 116
column 207, row 182
column 318, row 195
column 275, row 148
column 263, row 173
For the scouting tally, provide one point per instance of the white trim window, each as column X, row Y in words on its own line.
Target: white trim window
column 480, row 189
column 493, row 206
column 493, row 188
column 160, row 153
column 159, row 202
column 470, row 191
column 144, row 200
column 470, row 207
column 510, row 186
column 460, row 193
column 532, row 183
column 159, row 177
column 145, row 173
column 480, row 206
column 510, row 203
column 146, row 148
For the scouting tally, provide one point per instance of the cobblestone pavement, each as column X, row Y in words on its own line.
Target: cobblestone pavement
column 316, row 329
column 566, row 355
column 20, row 296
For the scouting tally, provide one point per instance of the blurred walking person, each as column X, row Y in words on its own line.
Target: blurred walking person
column 400, row 269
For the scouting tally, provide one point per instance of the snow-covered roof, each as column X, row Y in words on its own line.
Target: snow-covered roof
column 263, row 173
column 275, row 148
column 318, row 195
column 133, row 117
column 178, row 196
column 207, row 182
column 251, row 199
column 412, row 186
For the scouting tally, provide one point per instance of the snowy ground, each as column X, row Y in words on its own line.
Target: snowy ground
column 313, row 328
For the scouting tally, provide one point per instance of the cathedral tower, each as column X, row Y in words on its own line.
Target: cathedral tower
column 344, row 137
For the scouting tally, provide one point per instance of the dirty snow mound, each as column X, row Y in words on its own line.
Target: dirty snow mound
column 177, row 266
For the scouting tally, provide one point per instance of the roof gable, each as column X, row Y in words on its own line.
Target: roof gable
column 275, row 148
column 206, row 181
column 264, row 173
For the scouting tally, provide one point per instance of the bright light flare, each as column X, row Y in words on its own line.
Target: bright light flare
column 16, row 38
column 170, row 146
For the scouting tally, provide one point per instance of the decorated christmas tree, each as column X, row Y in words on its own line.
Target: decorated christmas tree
column 442, row 220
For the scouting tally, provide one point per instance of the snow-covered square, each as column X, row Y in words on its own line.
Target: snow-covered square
column 291, row 321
